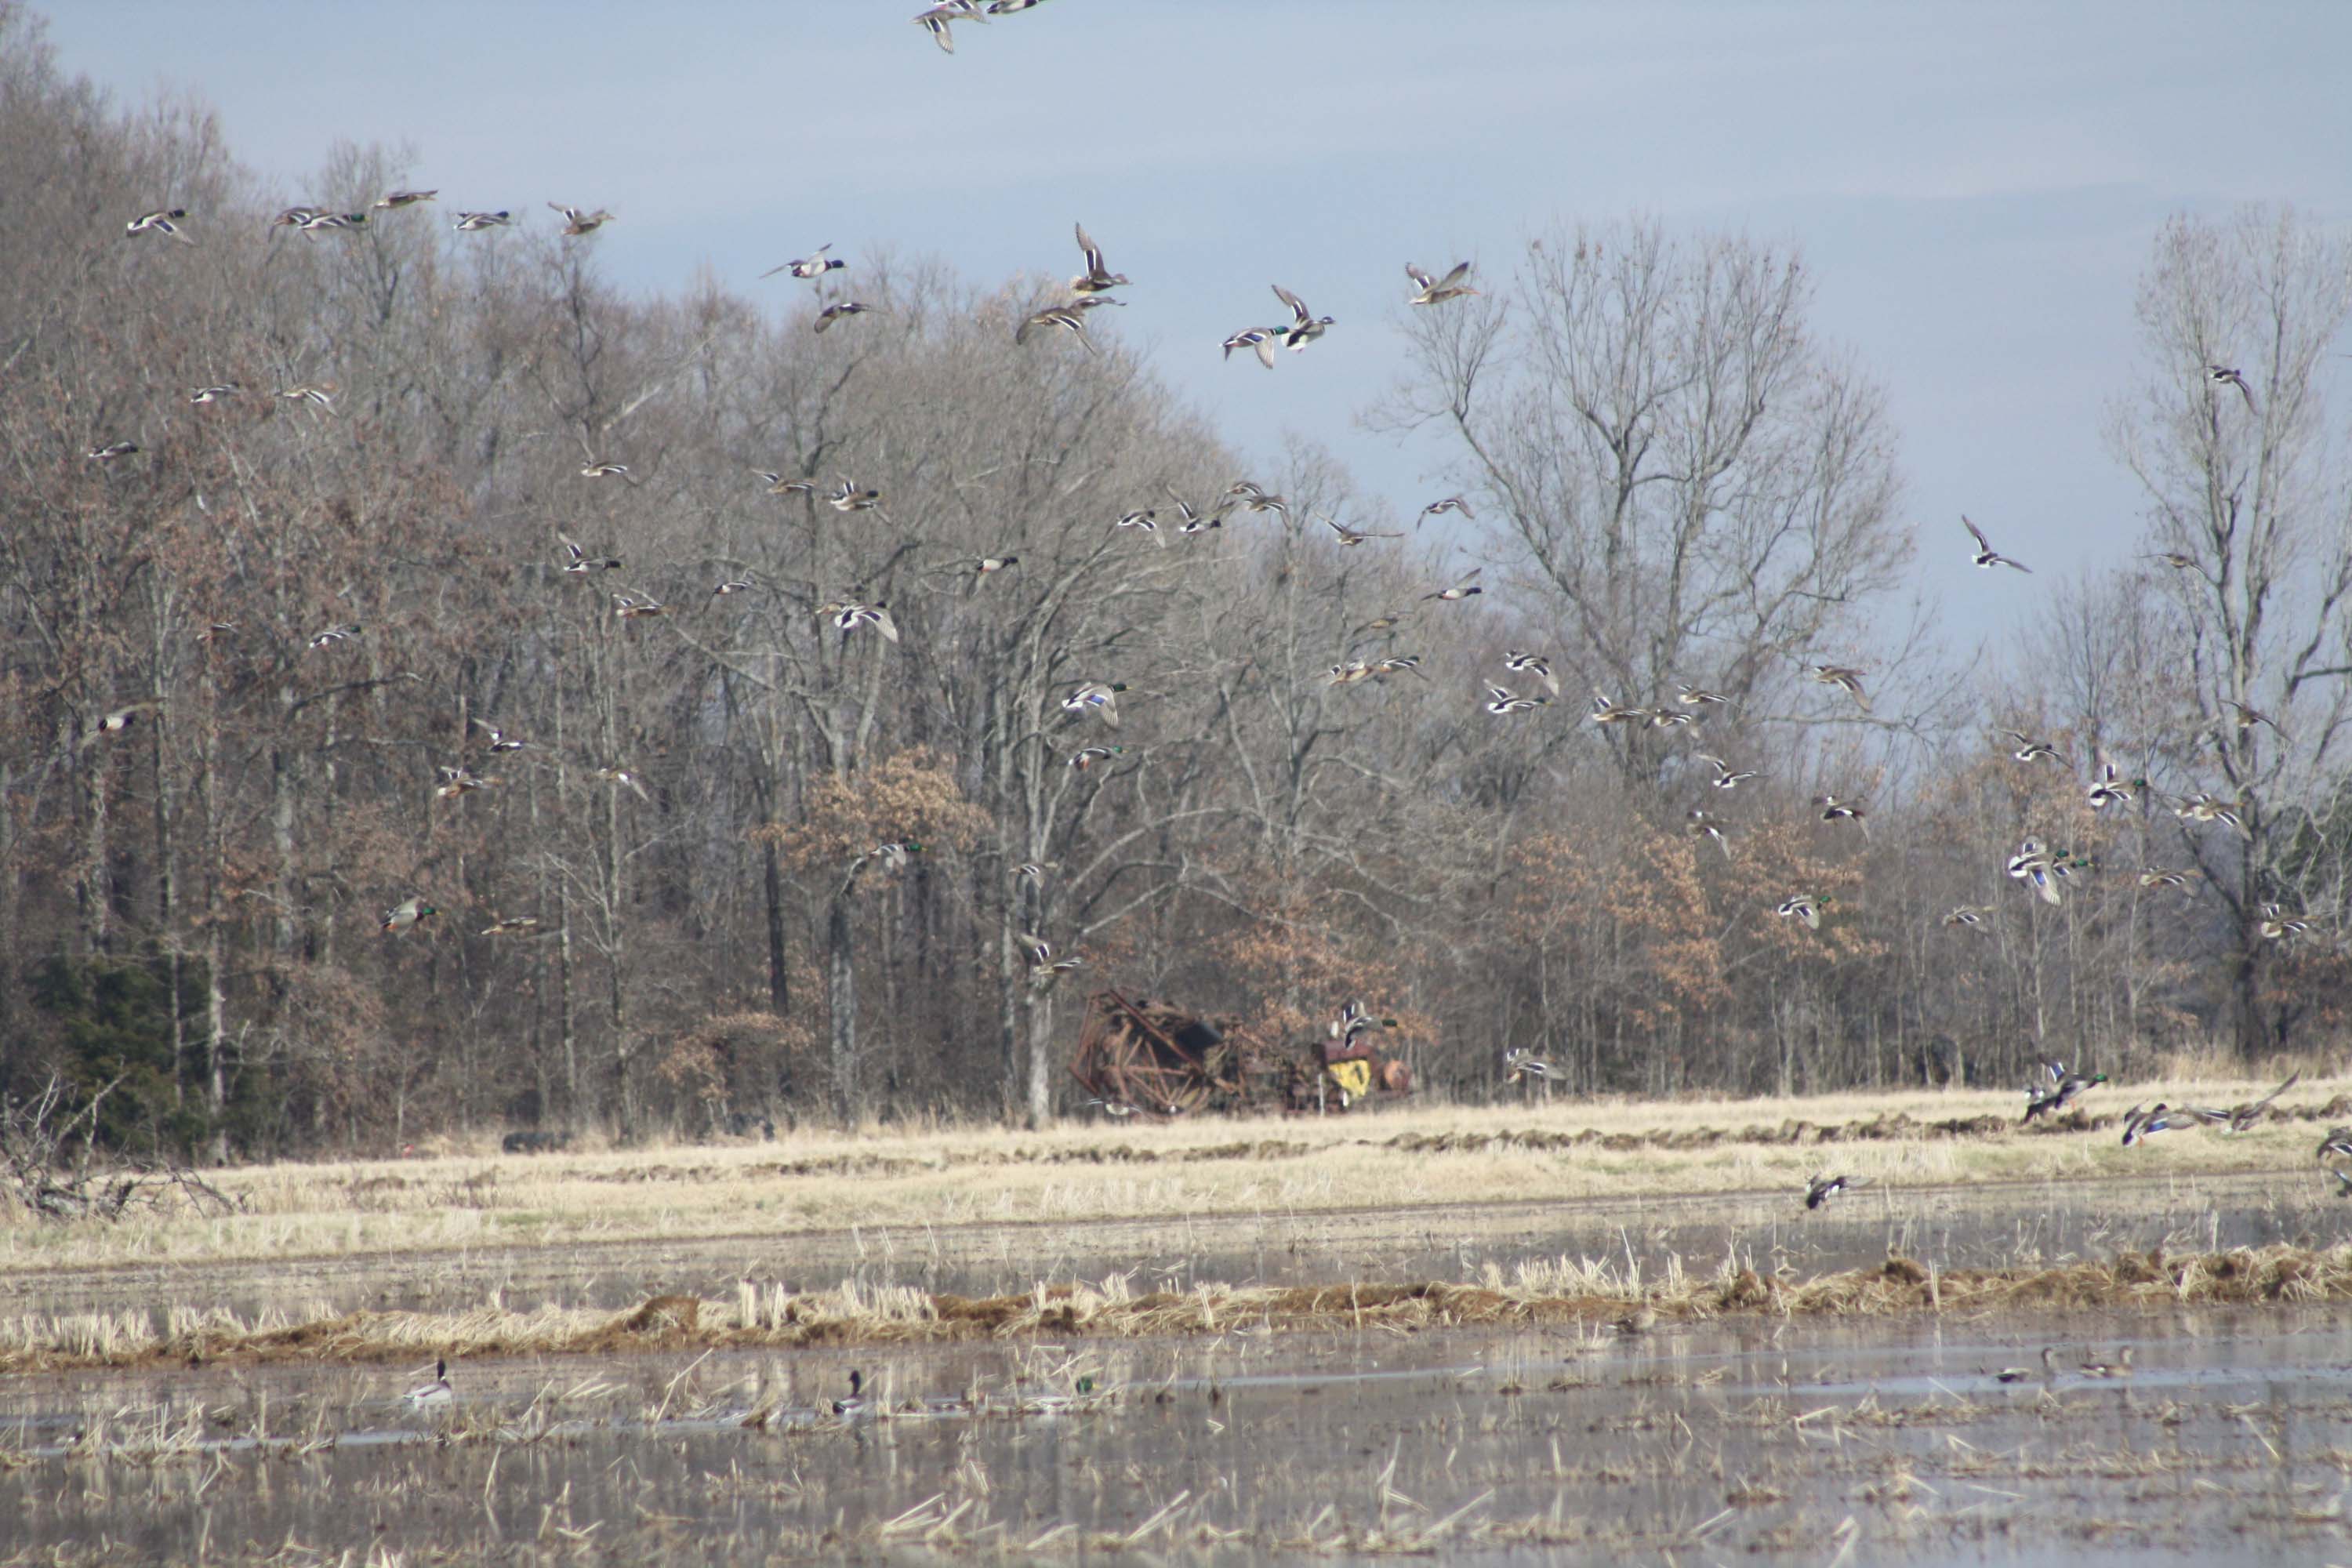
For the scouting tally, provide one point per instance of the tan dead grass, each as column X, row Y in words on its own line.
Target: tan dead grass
column 1565, row 1292
column 473, row 1197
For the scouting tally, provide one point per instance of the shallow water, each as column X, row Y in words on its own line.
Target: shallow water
column 1754, row 1440
column 1949, row 1226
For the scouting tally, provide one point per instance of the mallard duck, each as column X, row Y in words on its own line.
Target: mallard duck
column 2060, row 1091
column 856, row 1403
column 1461, row 590
column 2223, row 375
column 321, row 223
column 2176, row 559
column 406, row 913
column 847, row 497
column 2034, row 864
column 2276, row 925
column 1190, row 521
column 1702, row 826
column 1502, row 701
column 1045, row 969
column 1071, row 321
column 2140, row 1126
column 1012, row 7
column 1451, row 503
column 625, row 777
column 2119, row 1367
column 1521, row 1062
column 2248, row 718
column 1118, row 1107
column 1030, row 869
column 1095, row 697
column 2030, row 750
column 399, row 199
column 1088, row 756
column 293, row 217
column 1726, row 775
column 2203, row 807
column 1306, row 328
column 1969, row 915
column 849, row 617
column 1607, row 710
column 330, row 637
column 1535, row 664
column 1143, row 521
column 581, row 560
column 733, row 585
column 631, row 607
column 205, row 395
column 1260, row 340
column 2244, row 1117
column 1349, row 538
column 1249, row 497
column 1986, row 556
column 2343, row 1181
column 577, row 222
column 1348, row 674
column 1097, row 277
column 1399, row 664
column 1846, row 678
column 1691, row 695
column 426, row 1395
column 935, row 22
column 1670, row 719
column 474, row 223
column 459, row 780
column 893, row 856
column 166, row 222
column 1821, row 1189
column 1805, row 906
column 815, row 264
column 2162, row 878
column 2111, row 788
column 513, row 925
column 215, row 629
column 1836, row 810
column 111, row 451
column 116, row 722
column 595, row 469
column 832, row 313
column 2336, row 1144
column 2020, row 1373
column 319, row 397
column 1437, row 291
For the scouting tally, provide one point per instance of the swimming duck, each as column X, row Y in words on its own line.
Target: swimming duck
column 1437, row 291
column 2119, row 1367
column 856, row 1403
column 815, row 264
column 2020, row 1373
column 1986, row 556
column 426, row 1395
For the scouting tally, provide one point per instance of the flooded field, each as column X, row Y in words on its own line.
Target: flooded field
column 1804, row 1442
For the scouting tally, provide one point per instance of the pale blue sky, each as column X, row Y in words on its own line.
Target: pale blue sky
column 1975, row 187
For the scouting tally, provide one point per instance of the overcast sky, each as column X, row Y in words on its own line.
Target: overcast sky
column 1974, row 187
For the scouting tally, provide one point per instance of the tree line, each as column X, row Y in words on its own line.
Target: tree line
column 263, row 674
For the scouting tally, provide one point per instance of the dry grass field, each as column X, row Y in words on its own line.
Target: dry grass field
column 469, row 1195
